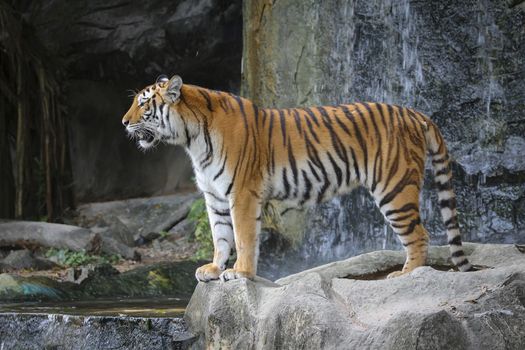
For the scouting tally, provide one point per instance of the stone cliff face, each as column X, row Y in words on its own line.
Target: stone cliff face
column 461, row 63
column 107, row 49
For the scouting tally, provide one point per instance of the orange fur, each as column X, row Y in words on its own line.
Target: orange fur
column 244, row 155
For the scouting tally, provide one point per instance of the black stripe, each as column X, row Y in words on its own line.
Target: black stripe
column 457, row 254
column 441, row 160
column 410, row 243
column 312, row 116
column 325, row 186
column 448, row 203
column 447, row 186
column 187, row 133
column 293, row 164
column 411, row 227
column 312, row 169
column 394, row 167
column 462, row 262
column 233, row 179
column 310, row 127
column 216, row 197
column 297, row 121
column 264, row 117
column 229, row 189
column 256, row 115
column 286, row 184
column 307, row 189
column 403, row 209
column 286, row 211
column 222, row 223
column 206, row 96
column 443, row 171
column 360, row 139
column 361, row 116
column 452, row 220
column 371, row 114
column 405, row 181
column 338, row 172
column 222, row 169
column 342, row 125
column 339, row 148
column 401, row 218
column 270, row 130
column 221, row 212
column 283, row 125
column 455, row 241
column 209, row 145
column 356, row 166
column 377, row 174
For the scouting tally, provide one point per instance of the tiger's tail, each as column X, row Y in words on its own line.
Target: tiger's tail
column 447, row 199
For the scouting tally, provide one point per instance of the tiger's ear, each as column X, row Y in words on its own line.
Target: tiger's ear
column 162, row 79
column 173, row 89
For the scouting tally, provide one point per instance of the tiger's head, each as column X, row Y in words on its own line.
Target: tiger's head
column 153, row 116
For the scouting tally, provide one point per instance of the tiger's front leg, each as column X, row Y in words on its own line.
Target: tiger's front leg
column 246, row 215
column 223, row 240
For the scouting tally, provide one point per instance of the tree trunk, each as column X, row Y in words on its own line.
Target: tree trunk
column 7, row 184
column 20, row 146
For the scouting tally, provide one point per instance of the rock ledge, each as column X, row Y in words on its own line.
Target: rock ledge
column 347, row 304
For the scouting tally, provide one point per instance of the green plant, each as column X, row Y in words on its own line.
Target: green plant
column 202, row 233
column 71, row 258
column 164, row 234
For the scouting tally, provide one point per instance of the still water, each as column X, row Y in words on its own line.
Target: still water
column 146, row 307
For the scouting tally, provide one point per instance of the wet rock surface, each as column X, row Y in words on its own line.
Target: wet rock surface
column 461, row 63
column 348, row 304
column 162, row 279
column 91, row 332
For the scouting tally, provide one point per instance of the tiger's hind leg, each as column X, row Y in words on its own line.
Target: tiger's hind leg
column 402, row 213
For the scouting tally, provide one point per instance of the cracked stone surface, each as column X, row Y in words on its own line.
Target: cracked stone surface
column 348, row 305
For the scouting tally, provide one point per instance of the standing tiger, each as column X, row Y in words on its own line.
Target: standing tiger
column 244, row 155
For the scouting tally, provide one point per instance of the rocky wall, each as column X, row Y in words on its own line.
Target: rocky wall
column 461, row 63
column 105, row 51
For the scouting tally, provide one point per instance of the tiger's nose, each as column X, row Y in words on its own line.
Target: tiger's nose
column 125, row 122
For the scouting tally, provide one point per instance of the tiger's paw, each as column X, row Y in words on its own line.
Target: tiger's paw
column 395, row 274
column 208, row 272
column 233, row 274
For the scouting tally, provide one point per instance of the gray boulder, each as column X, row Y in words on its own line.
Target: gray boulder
column 44, row 234
column 137, row 220
column 24, row 259
column 350, row 305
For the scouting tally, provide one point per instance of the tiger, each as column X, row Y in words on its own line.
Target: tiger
column 243, row 156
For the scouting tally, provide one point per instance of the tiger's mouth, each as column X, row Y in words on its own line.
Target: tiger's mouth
column 145, row 136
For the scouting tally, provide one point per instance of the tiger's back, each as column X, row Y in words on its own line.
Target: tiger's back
column 316, row 153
